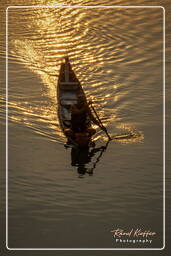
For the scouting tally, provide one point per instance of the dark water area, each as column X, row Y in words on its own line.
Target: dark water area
column 64, row 198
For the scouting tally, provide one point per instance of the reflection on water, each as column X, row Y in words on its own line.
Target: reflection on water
column 81, row 157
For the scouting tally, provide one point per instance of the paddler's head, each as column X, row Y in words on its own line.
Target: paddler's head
column 81, row 170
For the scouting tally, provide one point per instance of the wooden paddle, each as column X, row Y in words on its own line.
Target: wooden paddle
column 100, row 122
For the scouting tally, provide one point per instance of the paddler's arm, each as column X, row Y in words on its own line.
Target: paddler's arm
column 95, row 121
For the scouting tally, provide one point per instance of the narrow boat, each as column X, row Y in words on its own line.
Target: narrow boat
column 68, row 91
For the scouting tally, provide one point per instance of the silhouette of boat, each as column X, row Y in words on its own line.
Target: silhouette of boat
column 68, row 91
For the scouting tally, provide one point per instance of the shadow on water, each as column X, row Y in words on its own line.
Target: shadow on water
column 81, row 157
column 86, row 159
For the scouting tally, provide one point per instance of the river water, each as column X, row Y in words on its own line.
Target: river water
column 117, row 54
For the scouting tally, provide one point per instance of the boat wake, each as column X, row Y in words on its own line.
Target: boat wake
column 130, row 137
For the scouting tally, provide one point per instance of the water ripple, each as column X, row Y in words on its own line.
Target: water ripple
column 104, row 57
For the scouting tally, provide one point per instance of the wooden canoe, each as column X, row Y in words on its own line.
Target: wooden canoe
column 68, row 90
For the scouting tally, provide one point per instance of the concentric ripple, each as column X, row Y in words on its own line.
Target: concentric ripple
column 111, row 50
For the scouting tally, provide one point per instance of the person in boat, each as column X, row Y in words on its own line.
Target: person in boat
column 79, row 113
